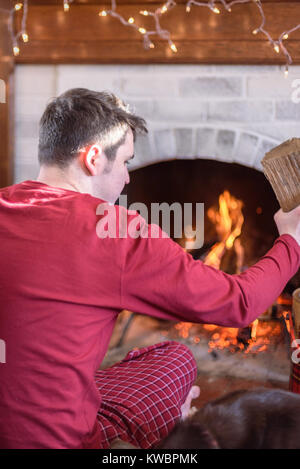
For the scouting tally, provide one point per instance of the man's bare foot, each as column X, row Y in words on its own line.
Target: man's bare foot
column 186, row 409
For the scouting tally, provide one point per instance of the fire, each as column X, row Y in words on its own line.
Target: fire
column 263, row 333
column 228, row 220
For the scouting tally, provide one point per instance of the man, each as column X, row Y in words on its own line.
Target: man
column 63, row 283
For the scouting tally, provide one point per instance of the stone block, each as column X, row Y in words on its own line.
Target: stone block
column 24, row 172
column 264, row 146
column 240, row 111
column 26, row 150
column 184, row 143
column 93, row 77
column 270, row 86
column 287, row 110
column 224, row 145
column 181, row 111
column 146, row 86
column 246, row 149
column 206, row 143
column 165, row 144
column 35, row 80
column 210, row 87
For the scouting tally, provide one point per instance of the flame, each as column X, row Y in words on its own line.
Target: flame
column 220, row 338
column 228, row 220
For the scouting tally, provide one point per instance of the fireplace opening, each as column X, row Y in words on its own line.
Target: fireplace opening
column 239, row 205
column 201, row 180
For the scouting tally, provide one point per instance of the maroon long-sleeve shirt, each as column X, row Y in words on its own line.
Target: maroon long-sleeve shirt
column 62, row 287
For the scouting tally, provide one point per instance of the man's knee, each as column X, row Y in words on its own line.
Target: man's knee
column 180, row 351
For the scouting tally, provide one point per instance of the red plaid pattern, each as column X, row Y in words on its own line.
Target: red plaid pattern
column 142, row 395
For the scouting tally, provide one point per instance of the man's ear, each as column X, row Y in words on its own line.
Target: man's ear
column 93, row 159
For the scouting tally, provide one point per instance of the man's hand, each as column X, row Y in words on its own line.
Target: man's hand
column 289, row 223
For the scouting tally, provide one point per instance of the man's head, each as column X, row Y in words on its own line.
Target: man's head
column 90, row 135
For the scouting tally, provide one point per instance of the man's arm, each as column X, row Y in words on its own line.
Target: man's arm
column 160, row 279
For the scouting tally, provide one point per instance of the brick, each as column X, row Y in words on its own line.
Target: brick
column 224, row 145
column 143, row 152
column 35, row 80
column 181, row 69
column 180, row 110
column 143, row 108
column 270, row 86
column 87, row 76
column 241, row 111
column 26, row 150
column 246, row 149
column 27, row 129
column 287, row 110
column 210, row 87
column 165, row 144
column 206, row 143
column 141, row 85
column 24, row 172
column 264, row 146
column 184, row 143
column 276, row 130
column 30, row 106
column 245, row 69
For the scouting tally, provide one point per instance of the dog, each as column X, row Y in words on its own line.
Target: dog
column 257, row 419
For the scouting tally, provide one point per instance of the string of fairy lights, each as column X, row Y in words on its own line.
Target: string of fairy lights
column 277, row 44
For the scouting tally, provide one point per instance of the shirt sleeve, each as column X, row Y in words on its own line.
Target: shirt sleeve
column 160, row 279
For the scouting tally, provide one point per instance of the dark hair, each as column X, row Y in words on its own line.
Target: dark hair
column 79, row 117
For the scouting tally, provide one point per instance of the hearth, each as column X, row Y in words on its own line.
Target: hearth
column 239, row 205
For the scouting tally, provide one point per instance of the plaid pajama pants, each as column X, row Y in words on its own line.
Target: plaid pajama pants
column 142, row 395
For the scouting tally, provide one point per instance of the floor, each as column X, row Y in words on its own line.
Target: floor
column 219, row 371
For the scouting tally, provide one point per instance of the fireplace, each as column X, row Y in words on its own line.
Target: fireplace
column 244, row 354
column 209, row 127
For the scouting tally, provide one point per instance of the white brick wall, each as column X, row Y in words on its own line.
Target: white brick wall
column 230, row 113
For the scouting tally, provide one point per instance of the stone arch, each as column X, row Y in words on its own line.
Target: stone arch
column 226, row 144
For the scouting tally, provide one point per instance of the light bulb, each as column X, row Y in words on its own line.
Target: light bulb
column 276, row 48
column 16, row 50
column 66, row 7
column 131, row 20
column 285, row 36
column 25, row 37
column 173, row 47
column 103, row 13
column 18, row 6
column 142, row 30
column 144, row 12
